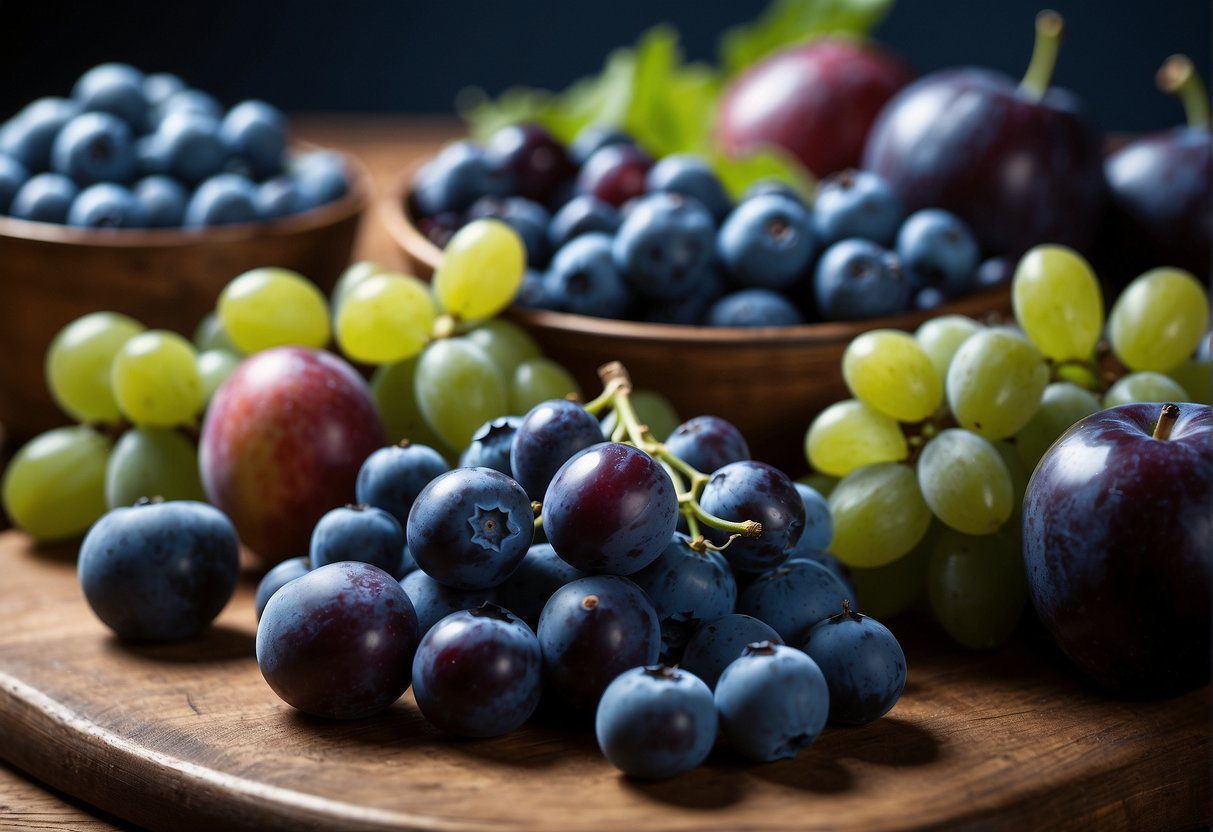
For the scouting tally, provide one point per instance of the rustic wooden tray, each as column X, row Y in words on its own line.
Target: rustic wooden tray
column 189, row 737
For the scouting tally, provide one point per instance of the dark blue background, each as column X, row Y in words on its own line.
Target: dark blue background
column 409, row 56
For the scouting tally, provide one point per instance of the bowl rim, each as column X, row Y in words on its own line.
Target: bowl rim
column 396, row 216
column 355, row 200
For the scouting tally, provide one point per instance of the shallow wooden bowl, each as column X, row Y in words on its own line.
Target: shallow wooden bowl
column 166, row 278
column 770, row 382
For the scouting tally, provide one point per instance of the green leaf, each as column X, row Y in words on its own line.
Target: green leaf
column 672, row 104
column 787, row 22
column 770, row 163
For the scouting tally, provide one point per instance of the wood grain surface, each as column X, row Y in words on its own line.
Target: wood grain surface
column 189, row 736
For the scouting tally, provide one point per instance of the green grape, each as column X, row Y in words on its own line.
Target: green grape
column 481, row 270
column 54, row 487
column 394, row 392
column 823, row 484
column 1078, row 375
column 1061, row 405
column 1195, row 376
column 78, row 365
column 1057, row 302
column 849, row 435
column 977, row 587
column 210, row 335
column 653, row 410
column 458, row 389
column 888, row 371
column 271, row 307
column 152, row 462
column 156, row 381
column 965, row 482
column 537, row 380
column 385, row 318
column 214, row 366
column 995, row 383
column 879, row 514
column 1158, row 320
column 1144, row 387
column 889, row 590
column 349, row 280
column 1019, row 481
column 506, row 343
column 941, row 337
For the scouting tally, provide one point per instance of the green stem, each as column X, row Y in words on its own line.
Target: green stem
column 1049, row 26
column 604, row 399
column 1178, row 77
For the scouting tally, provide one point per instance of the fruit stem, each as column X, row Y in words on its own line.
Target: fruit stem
column 1166, row 421
column 1049, row 27
column 1178, row 77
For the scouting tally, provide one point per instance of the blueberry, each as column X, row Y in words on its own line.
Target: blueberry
column 707, row 443
column 688, row 310
column 928, row 298
column 590, row 631
column 593, row 138
column 767, row 242
column 540, row 574
column 13, row 176
column 755, row 491
column 29, row 136
column 856, row 203
column 793, row 597
column 115, row 89
column 358, row 532
column 686, row 587
column 583, row 278
column 278, row 197
column 993, row 272
column 257, row 133
column 717, row 644
column 753, row 308
column 537, row 163
column 857, row 279
column 550, row 433
column 835, row 567
column 533, row 293
column 192, row 146
column 458, row 176
column 94, row 147
column 276, row 579
column 773, row 701
column 106, row 205
column 937, row 250
column 656, row 722
column 163, row 200
column 470, row 528
column 818, row 522
column 581, row 215
column 765, row 187
column 682, row 173
column 478, row 673
column 151, row 155
column 433, row 601
column 665, row 244
column 321, row 177
column 528, row 218
column 224, row 199
column 408, row 565
column 339, row 641
column 159, row 571
column 158, row 86
column 491, row 444
column 864, row 666
column 46, row 197
column 186, row 101
column 392, row 477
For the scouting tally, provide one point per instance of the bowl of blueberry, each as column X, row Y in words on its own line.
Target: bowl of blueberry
column 140, row 193
column 653, row 262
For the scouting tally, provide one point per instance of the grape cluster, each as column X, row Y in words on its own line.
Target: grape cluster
column 590, row 597
column 926, row 466
column 129, row 150
column 612, row 233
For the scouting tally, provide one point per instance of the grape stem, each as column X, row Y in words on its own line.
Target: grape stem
column 1178, row 77
column 1049, row 26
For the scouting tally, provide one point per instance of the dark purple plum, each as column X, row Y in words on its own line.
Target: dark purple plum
column 549, row 434
column 478, row 673
column 591, row 630
column 611, row 508
column 392, row 477
column 433, row 602
column 755, row 491
column 707, row 443
column 864, row 666
column 361, row 533
column 338, row 642
column 470, row 528
column 159, row 571
column 540, row 574
column 536, row 161
column 656, row 722
column 614, row 173
column 491, row 444
column 793, row 597
column 277, row 578
column 717, row 644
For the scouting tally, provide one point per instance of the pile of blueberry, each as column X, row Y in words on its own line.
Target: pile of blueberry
column 612, row 233
column 129, row 150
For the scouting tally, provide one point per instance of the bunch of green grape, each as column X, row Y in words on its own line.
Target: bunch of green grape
column 927, row 465
column 444, row 366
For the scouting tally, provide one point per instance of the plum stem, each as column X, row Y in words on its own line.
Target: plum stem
column 1049, row 26
column 1166, row 421
column 1178, row 77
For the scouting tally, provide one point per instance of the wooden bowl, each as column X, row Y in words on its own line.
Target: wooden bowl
column 166, row 278
column 768, row 381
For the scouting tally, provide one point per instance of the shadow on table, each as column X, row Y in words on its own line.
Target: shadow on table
column 219, row 643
